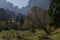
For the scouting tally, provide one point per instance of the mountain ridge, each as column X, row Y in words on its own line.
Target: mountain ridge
column 24, row 10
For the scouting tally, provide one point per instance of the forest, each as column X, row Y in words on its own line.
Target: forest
column 39, row 24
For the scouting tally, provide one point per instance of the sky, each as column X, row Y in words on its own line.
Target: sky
column 19, row 3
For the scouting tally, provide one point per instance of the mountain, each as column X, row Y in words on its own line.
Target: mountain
column 10, row 9
column 24, row 10
column 7, row 5
column 39, row 3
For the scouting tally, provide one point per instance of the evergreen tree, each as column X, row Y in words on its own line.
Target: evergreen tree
column 54, row 13
column 6, row 14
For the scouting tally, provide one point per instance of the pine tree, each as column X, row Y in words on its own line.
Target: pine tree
column 54, row 13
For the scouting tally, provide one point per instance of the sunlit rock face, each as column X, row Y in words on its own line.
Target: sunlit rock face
column 40, row 3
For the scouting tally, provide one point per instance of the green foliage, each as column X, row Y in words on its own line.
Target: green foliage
column 36, row 25
column 54, row 12
column 38, row 19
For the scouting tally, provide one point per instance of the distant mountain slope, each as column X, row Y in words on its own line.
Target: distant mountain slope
column 24, row 10
column 6, row 14
column 39, row 3
column 7, row 5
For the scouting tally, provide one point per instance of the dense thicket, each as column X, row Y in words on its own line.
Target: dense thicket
column 8, row 20
column 6, row 14
column 54, row 13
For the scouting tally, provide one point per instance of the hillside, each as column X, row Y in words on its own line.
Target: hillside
column 40, row 20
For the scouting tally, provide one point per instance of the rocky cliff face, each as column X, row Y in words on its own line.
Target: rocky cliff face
column 10, row 9
column 24, row 10
column 39, row 3
column 7, row 5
